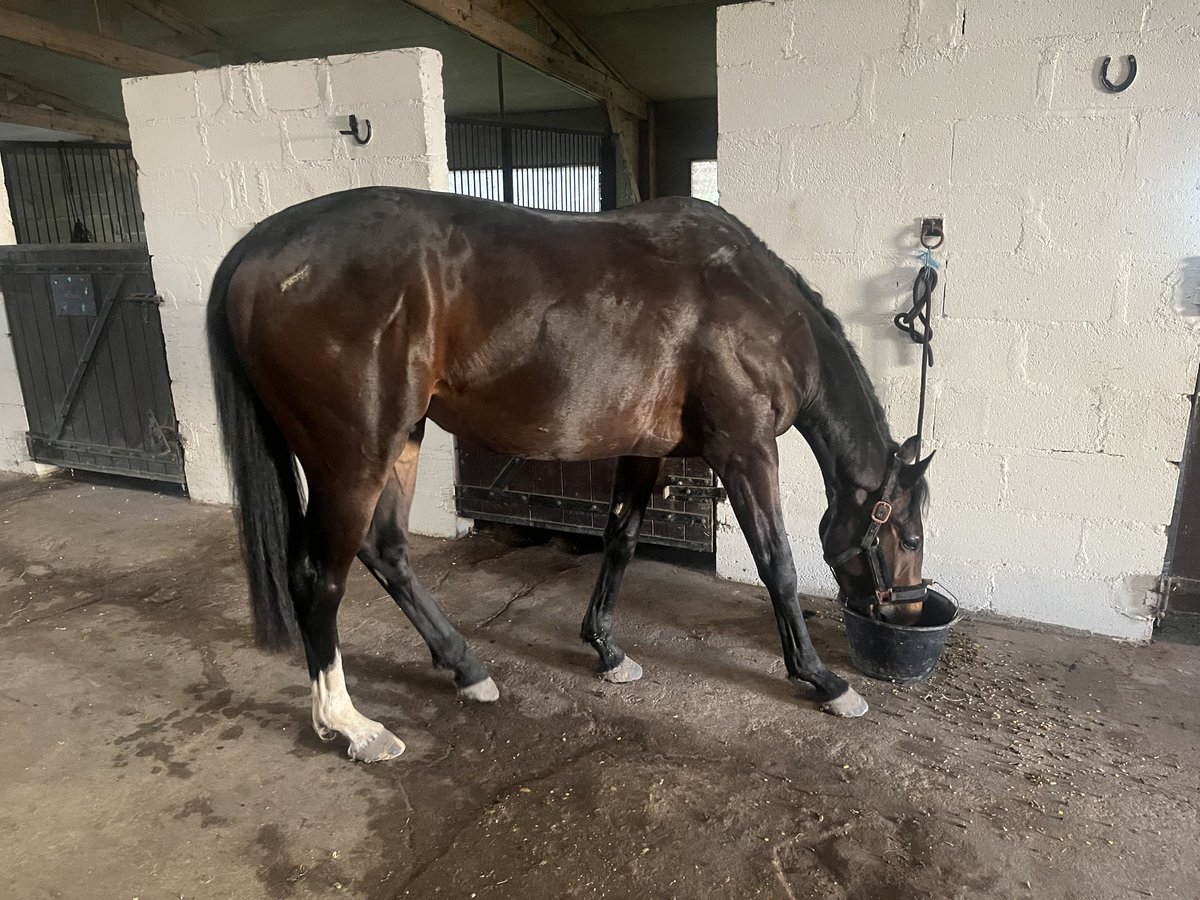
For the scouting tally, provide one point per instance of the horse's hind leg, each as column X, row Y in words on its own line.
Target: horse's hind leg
column 632, row 486
column 751, row 478
column 385, row 553
column 335, row 524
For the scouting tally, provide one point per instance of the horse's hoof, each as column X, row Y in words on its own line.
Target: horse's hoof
column 849, row 705
column 481, row 691
column 623, row 673
column 384, row 745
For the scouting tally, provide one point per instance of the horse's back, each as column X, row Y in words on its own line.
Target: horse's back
column 538, row 333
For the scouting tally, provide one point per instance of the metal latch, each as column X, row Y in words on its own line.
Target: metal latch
column 691, row 490
column 1162, row 594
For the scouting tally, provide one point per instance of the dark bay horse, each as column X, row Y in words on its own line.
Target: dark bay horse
column 337, row 327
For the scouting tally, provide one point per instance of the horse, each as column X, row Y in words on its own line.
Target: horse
column 339, row 326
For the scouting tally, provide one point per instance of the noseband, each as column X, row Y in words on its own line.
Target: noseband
column 885, row 591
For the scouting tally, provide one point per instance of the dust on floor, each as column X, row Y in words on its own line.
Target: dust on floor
column 153, row 752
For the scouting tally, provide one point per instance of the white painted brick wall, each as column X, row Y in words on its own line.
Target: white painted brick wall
column 14, row 456
column 221, row 149
column 8, row 233
column 1068, row 333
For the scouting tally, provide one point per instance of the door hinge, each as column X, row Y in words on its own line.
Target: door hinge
column 1162, row 597
column 692, row 490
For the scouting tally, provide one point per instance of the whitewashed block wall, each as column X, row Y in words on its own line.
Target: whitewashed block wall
column 220, row 150
column 1068, row 328
column 14, row 456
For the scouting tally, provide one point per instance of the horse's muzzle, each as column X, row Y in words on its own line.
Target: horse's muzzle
column 874, row 604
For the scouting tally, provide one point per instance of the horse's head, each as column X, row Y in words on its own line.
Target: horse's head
column 873, row 540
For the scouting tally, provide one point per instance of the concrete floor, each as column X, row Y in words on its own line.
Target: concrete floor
column 152, row 752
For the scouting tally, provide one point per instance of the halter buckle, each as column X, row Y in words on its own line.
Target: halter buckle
column 881, row 512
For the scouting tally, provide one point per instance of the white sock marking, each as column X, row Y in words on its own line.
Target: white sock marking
column 334, row 711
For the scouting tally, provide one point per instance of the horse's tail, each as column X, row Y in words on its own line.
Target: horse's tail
column 264, row 477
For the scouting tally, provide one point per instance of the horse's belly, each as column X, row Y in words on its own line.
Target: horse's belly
column 576, row 432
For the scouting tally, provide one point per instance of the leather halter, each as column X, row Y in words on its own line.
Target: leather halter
column 885, row 591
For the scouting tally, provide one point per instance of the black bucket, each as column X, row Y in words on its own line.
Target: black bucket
column 901, row 653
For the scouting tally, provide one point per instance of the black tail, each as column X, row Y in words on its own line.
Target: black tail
column 264, row 478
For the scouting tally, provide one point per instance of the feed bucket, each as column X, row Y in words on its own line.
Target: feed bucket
column 901, row 653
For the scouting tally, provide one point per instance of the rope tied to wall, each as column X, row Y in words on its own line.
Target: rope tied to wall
column 915, row 322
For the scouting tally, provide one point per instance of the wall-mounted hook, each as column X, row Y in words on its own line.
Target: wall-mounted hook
column 353, row 130
column 1130, row 74
column 932, row 233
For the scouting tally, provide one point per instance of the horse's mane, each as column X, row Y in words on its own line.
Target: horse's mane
column 817, row 302
column 919, row 494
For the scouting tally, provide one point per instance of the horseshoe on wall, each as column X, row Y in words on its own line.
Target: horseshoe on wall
column 1130, row 74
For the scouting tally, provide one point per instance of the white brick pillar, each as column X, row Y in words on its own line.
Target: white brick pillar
column 8, row 232
column 14, row 455
column 220, row 150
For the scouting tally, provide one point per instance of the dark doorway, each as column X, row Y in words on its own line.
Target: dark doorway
column 1183, row 558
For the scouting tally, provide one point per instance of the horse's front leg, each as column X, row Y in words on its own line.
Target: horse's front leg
column 751, row 478
column 632, row 486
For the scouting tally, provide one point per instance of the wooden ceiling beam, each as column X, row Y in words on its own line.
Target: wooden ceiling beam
column 92, row 126
column 27, row 96
column 572, row 38
column 195, row 34
column 627, row 128
column 16, row 91
column 475, row 19
column 549, row 27
column 108, row 17
column 521, row 13
column 90, row 47
column 182, row 45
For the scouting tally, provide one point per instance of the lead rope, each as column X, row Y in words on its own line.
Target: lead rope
column 919, row 314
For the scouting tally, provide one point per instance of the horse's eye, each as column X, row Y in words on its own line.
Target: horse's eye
column 912, row 544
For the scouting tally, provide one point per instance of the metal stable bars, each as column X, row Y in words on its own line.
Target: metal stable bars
column 545, row 168
column 72, row 193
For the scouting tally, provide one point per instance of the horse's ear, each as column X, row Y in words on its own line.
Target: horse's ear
column 911, row 474
column 907, row 453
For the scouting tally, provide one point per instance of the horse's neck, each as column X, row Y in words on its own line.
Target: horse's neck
column 850, row 444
